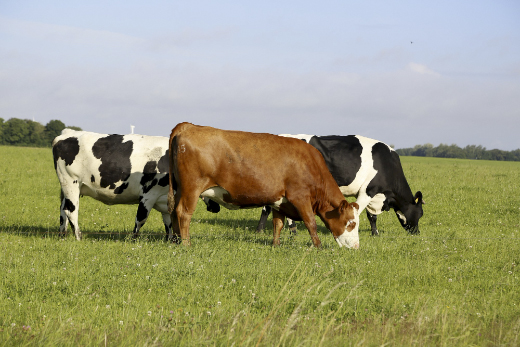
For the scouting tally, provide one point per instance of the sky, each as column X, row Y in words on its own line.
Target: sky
column 402, row 72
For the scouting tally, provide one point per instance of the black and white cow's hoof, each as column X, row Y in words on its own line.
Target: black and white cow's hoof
column 175, row 239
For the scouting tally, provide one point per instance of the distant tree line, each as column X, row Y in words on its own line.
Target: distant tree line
column 25, row 132
column 454, row 151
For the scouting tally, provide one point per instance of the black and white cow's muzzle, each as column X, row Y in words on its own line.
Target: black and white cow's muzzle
column 411, row 228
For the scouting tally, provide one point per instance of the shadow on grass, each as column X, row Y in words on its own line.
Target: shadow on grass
column 250, row 225
column 238, row 230
column 87, row 234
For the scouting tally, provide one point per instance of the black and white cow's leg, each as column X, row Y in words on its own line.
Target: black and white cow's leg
column 167, row 220
column 292, row 226
column 69, row 210
column 263, row 218
column 64, row 220
column 143, row 210
column 372, row 218
column 376, row 206
column 363, row 200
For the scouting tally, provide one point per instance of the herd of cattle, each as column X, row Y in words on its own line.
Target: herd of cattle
column 294, row 176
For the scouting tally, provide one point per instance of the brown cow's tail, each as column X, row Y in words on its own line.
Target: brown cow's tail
column 179, row 128
column 171, row 176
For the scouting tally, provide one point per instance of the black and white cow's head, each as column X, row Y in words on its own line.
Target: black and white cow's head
column 409, row 214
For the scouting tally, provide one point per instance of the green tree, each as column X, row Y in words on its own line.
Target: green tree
column 15, row 131
column 1, row 131
column 53, row 129
column 474, row 152
column 423, row 151
column 36, row 134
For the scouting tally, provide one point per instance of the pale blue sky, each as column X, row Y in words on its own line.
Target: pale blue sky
column 327, row 67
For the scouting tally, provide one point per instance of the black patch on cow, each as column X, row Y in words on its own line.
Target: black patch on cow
column 342, row 155
column 61, row 220
column 163, row 182
column 121, row 188
column 69, row 205
column 148, row 181
column 150, row 167
column 92, row 179
column 115, row 159
column 142, row 212
column 214, row 207
column 390, row 180
column 66, row 149
column 164, row 165
column 148, row 187
column 147, row 177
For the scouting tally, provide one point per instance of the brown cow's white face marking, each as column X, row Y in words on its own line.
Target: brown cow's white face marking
column 350, row 237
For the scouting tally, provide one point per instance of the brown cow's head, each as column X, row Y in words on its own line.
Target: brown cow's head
column 343, row 221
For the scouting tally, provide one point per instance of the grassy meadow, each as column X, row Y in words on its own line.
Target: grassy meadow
column 456, row 284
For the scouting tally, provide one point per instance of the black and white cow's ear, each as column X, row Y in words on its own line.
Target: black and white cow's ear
column 418, row 198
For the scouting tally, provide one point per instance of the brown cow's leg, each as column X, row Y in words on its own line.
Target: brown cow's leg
column 184, row 210
column 278, row 221
column 307, row 215
column 176, row 233
column 313, row 231
column 310, row 222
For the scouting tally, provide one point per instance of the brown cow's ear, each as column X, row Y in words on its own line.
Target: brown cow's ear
column 343, row 206
column 355, row 205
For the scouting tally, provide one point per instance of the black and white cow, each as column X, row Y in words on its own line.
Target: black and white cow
column 114, row 169
column 370, row 171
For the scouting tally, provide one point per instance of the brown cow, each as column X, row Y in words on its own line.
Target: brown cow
column 244, row 170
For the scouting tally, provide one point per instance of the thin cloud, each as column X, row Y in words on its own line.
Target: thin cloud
column 422, row 69
column 52, row 33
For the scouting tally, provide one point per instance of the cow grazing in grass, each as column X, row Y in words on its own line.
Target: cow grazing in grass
column 114, row 169
column 370, row 171
column 243, row 170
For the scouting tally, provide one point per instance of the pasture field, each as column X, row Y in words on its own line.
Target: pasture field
column 456, row 284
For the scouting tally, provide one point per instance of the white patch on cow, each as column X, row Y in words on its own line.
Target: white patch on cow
column 375, row 206
column 305, row 137
column 401, row 216
column 277, row 204
column 366, row 172
column 156, row 154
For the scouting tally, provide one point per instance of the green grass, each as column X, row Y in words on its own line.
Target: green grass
column 455, row 284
